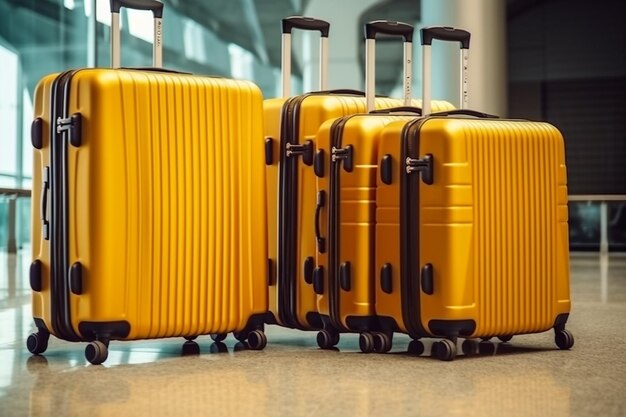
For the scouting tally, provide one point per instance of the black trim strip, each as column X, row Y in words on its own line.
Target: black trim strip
column 59, row 233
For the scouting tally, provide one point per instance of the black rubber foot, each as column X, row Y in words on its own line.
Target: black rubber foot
column 505, row 338
column 218, row 337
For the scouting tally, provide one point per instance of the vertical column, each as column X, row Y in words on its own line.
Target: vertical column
column 486, row 21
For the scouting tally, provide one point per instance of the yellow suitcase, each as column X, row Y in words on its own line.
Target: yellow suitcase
column 292, row 158
column 152, row 214
column 346, row 203
column 471, row 226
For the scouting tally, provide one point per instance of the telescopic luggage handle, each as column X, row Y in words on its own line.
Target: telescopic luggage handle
column 449, row 34
column 304, row 23
column 390, row 28
column 157, row 11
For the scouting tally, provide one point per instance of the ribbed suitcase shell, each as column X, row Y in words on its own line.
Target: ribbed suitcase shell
column 290, row 182
column 165, row 203
column 493, row 225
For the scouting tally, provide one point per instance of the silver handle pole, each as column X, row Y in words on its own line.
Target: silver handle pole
column 115, row 40
column 426, row 78
column 370, row 74
column 285, row 71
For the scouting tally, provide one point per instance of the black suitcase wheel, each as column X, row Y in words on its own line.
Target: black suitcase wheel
column 37, row 343
column 257, row 340
column 469, row 347
column 444, row 350
column 416, row 347
column 218, row 337
column 327, row 339
column 366, row 342
column 96, row 352
column 505, row 338
column 382, row 342
column 563, row 339
column 190, row 348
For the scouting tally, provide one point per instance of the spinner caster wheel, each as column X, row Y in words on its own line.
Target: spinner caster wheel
column 257, row 340
column 96, row 352
column 469, row 347
column 416, row 347
column 505, row 338
column 444, row 350
column 563, row 339
column 366, row 342
column 218, row 337
column 382, row 342
column 37, row 343
column 327, row 339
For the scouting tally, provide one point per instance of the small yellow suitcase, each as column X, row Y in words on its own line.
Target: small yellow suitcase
column 292, row 160
column 346, row 203
column 152, row 214
column 471, row 225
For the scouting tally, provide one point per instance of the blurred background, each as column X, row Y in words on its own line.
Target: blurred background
column 562, row 61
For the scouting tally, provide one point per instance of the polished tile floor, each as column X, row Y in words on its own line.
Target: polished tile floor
column 292, row 377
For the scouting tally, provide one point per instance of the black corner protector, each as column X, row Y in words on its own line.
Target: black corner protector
column 452, row 328
column 309, row 266
column 36, row 133
column 345, row 276
column 560, row 321
column 318, row 280
column 348, row 163
column 36, row 282
column 386, row 283
column 270, row 272
column 386, row 169
column 76, row 278
column 269, row 151
column 427, row 278
column 92, row 330
column 76, row 130
column 318, row 163
column 307, row 156
column 314, row 320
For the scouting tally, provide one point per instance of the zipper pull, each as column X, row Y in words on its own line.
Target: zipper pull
column 72, row 125
column 423, row 165
column 345, row 155
column 304, row 149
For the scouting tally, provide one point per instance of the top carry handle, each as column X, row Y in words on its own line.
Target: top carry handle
column 449, row 34
column 390, row 28
column 304, row 23
column 157, row 10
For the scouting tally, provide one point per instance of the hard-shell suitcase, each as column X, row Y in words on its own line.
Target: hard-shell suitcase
column 346, row 206
column 291, row 161
column 471, row 225
column 152, row 214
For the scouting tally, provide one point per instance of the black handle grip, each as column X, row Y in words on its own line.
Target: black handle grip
column 45, row 224
column 465, row 112
column 445, row 33
column 155, row 6
column 401, row 109
column 389, row 27
column 306, row 23
column 321, row 201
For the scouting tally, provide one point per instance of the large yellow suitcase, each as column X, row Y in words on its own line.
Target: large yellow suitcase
column 346, row 201
column 152, row 214
column 471, row 226
column 292, row 160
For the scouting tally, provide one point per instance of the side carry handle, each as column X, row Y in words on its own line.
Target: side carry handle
column 304, row 23
column 389, row 28
column 449, row 34
column 157, row 11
